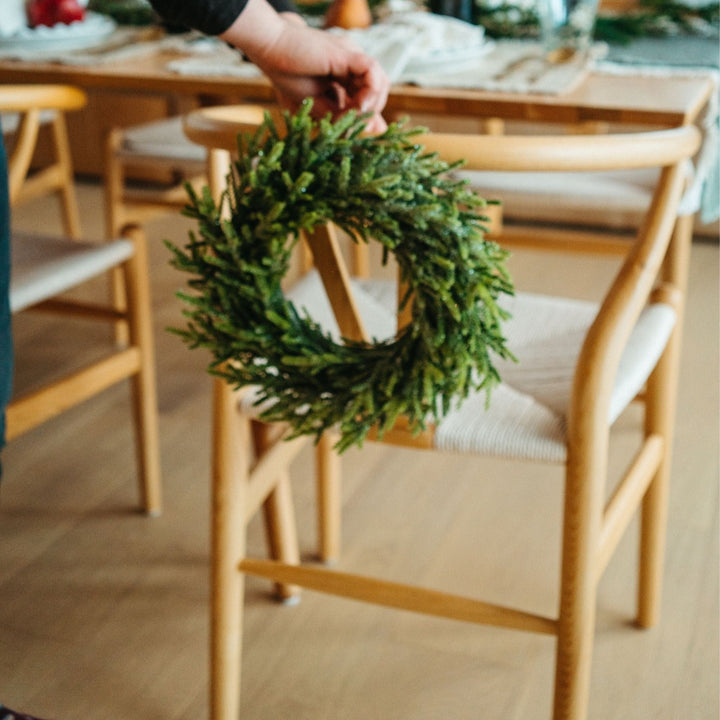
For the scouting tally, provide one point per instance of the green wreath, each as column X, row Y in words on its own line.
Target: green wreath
column 386, row 188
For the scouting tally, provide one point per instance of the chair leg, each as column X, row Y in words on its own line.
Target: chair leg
column 282, row 534
column 329, row 494
column 279, row 515
column 113, row 184
column 114, row 221
column 585, row 480
column 660, row 418
column 653, row 515
column 231, row 438
column 71, row 214
column 143, row 382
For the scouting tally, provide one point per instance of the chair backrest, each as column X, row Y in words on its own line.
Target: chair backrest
column 35, row 105
column 217, row 129
column 632, row 287
column 633, row 284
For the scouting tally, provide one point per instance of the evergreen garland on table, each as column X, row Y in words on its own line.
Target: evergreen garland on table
column 125, row 12
column 659, row 18
column 385, row 188
column 651, row 18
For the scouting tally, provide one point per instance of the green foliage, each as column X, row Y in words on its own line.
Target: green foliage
column 650, row 18
column 385, row 188
column 125, row 12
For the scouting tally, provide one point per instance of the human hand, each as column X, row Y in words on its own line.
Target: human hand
column 303, row 62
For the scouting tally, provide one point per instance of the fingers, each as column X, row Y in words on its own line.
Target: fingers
column 306, row 62
column 368, row 86
column 376, row 125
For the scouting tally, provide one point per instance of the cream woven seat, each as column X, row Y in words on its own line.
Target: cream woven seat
column 579, row 365
column 616, row 200
column 527, row 419
column 45, row 266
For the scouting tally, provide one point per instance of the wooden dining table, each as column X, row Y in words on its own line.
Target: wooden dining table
column 624, row 98
column 633, row 96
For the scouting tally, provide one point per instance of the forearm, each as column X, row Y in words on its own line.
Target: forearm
column 300, row 61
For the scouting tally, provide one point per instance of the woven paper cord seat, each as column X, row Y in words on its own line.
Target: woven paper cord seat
column 527, row 416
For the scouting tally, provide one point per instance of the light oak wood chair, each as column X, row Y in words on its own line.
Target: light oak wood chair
column 45, row 267
column 155, row 145
column 55, row 176
column 580, row 364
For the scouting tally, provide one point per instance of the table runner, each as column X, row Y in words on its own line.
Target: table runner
column 124, row 43
column 430, row 50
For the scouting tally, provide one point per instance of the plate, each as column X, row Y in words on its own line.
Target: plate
column 85, row 33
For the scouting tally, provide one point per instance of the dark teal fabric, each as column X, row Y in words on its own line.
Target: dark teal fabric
column 6, row 353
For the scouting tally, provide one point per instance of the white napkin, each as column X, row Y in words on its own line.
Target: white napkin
column 430, row 50
column 418, row 42
column 435, row 51
column 512, row 66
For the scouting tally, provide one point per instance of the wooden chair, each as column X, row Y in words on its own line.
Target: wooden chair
column 580, row 364
column 45, row 267
column 157, row 145
column 27, row 182
column 154, row 145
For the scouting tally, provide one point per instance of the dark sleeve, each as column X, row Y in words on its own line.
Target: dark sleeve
column 283, row 5
column 212, row 17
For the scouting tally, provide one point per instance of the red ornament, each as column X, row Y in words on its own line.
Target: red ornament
column 53, row 12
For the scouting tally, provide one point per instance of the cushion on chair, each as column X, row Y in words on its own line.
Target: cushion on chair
column 616, row 199
column 526, row 418
column 375, row 298
column 11, row 121
column 161, row 138
column 42, row 266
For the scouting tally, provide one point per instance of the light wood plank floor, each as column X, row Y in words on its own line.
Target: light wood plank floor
column 103, row 613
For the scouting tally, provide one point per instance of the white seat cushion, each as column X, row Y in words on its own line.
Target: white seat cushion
column 163, row 139
column 616, row 199
column 42, row 267
column 11, row 121
column 526, row 418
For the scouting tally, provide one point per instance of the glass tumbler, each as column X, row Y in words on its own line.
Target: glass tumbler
column 566, row 26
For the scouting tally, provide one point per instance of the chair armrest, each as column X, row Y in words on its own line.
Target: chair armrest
column 630, row 291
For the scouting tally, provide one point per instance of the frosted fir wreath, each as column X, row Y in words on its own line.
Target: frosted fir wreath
column 384, row 188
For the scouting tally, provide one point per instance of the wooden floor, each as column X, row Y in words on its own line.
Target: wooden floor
column 103, row 612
